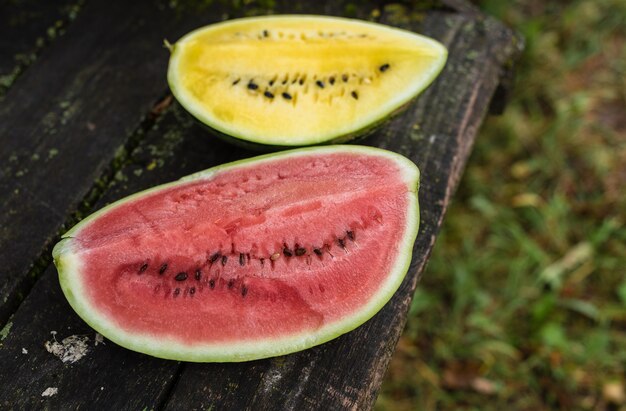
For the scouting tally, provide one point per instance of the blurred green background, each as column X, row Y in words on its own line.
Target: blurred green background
column 523, row 304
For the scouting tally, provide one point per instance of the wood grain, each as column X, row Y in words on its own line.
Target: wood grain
column 26, row 28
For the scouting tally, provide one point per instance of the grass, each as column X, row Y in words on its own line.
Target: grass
column 523, row 304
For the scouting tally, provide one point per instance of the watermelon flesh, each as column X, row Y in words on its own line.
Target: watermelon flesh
column 253, row 259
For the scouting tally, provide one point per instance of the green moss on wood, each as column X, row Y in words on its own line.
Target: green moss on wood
column 25, row 59
column 4, row 333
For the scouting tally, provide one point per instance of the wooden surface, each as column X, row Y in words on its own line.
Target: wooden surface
column 26, row 28
column 90, row 120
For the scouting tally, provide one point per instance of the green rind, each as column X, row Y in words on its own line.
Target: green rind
column 261, row 145
column 68, row 266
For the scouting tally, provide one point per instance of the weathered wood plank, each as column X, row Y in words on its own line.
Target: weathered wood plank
column 98, row 80
column 26, row 26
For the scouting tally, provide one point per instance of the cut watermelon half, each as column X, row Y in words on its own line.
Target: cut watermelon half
column 298, row 80
column 247, row 260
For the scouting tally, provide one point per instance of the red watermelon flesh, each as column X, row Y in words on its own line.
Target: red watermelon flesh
column 248, row 260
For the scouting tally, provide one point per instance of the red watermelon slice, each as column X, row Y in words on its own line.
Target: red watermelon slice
column 247, row 260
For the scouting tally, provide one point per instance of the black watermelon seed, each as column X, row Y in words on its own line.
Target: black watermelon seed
column 236, row 81
column 198, row 274
column 214, row 257
column 192, row 290
column 355, row 95
column 383, row 68
column 163, row 268
column 143, row 268
column 224, row 260
column 300, row 251
column 320, row 83
column 181, row 276
column 268, row 94
column 344, row 78
column 350, row 235
column 252, row 86
column 212, row 284
column 317, row 251
column 341, row 242
column 331, row 81
column 244, row 291
column 271, row 83
column 301, row 82
column 287, row 252
column 242, row 259
column 231, row 283
column 176, row 292
column 266, row 33
column 287, row 96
